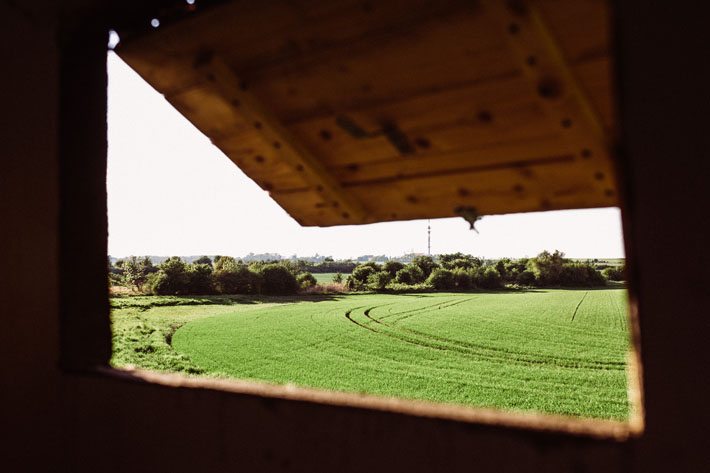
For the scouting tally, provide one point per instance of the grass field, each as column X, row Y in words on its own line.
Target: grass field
column 555, row 351
column 323, row 278
column 143, row 327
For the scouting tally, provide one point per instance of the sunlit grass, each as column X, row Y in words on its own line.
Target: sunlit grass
column 554, row 351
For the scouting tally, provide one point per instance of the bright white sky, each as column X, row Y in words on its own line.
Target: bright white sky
column 171, row 192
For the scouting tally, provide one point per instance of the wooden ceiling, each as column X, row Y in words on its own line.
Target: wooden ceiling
column 352, row 112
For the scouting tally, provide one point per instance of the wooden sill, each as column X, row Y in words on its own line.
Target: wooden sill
column 595, row 428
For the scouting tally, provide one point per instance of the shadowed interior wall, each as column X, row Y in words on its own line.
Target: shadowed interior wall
column 87, row 421
column 29, row 198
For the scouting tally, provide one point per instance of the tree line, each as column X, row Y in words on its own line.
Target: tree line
column 447, row 272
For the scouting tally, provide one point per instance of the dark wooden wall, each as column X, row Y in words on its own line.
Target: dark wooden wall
column 62, row 416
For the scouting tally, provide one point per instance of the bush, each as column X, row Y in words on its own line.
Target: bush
column 462, row 279
column 171, row 278
column 426, row 264
column 525, row 278
column 378, row 281
column 306, row 280
column 277, row 280
column 362, row 273
column 350, row 283
column 403, row 276
column 580, row 275
column 410, row 274
column 224, row 262
column 547, row 268
column 392, row 267
column 397, row 288
column 441, row 279
column 613, row 274
column 238, row 279
column 338, row 278
column 199, row 279
column 115, row 279
column 490, row 279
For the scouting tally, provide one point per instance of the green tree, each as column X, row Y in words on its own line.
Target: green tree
column 403, row 276
column 462, row 278
column 410, row 274
column 278, row 280
column 442, row 279
column 221, row 262
column 547, row 268
column 379, row 280
column 525, row 278
column 136, row 271
column 203, row 260
column 306, row 280
column 199, row 279
column 392, row 267
column 490, row 279
column 452, row 261
column 237, row 279
column 171, row 278
column 362, row 272
column 426, row 264
column 613, row 274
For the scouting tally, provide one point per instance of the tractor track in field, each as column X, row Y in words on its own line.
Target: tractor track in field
column 347, row 315
column 469, row 349
column 498, row 354
column 579, row 304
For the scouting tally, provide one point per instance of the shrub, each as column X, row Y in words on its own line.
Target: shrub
column 338, row 278
column 397, row 288
column 199, row 279
column 392, row 267
column 441, row 279
column 525, row 278
column 613, row 274
column 135, row 271
column 203, row 260
column 580, row 275
column 378, row 281
column 306, row 280
column 452, row 261
column 490, row 279
column 410, row 274
column 224, row 262
column 426, row 264
column 115, row 279
column 238, row 279
column 278, row 280
column 351, row 283
column 362, row 273
column 462, row 278
column 403, row 276
column 547, row 268
column 171, row 278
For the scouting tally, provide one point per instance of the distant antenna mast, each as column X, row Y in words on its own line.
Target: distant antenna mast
column 428, row 228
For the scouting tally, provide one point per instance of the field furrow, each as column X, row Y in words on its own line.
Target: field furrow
column 557, row 351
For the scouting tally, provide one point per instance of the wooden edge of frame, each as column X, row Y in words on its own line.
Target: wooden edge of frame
column 594, row 428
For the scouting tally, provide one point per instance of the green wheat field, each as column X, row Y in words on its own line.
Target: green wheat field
column 554, row 351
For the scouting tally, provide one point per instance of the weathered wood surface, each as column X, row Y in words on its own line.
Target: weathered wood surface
column 398, row 110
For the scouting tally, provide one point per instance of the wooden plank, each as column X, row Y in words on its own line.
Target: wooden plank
column 280, row 139
column 534, row 187
column 503, row 155
column 442, row 73
column 443, row 121
column 371, row 73
column 560, row 93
